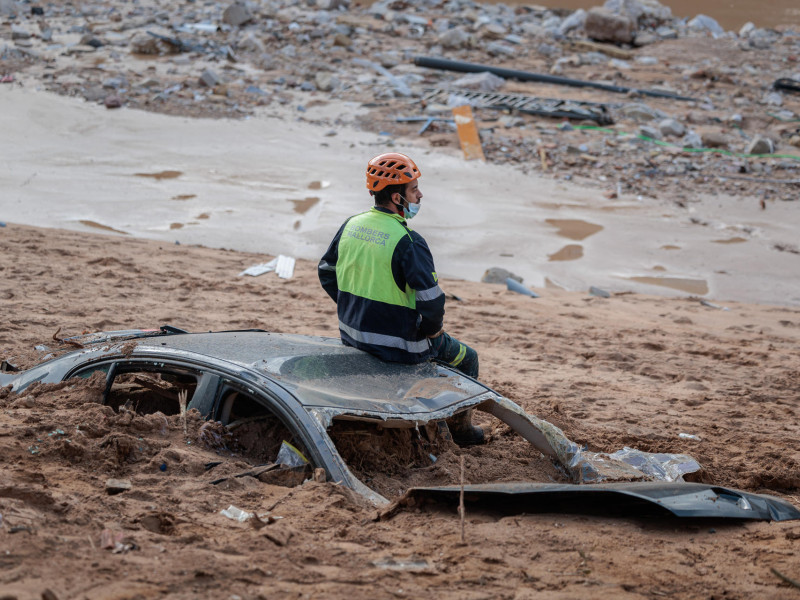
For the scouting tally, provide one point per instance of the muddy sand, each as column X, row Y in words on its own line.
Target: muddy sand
column 629, row 370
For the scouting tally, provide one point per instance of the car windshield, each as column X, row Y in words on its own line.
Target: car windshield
column 359, row 381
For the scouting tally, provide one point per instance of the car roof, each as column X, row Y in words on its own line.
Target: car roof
column 324, row 373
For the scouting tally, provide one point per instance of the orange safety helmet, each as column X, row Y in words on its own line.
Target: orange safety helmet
column 391, row 168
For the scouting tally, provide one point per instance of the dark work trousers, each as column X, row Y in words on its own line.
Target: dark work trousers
column 450, row 351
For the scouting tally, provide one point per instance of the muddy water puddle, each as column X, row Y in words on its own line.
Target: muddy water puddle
column 161, row 175
column 574, row 229
column 304, row 205
column 690, row 286
column 568, row 252
column 97, row 225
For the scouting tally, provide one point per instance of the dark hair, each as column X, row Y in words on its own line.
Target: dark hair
column 384, row 196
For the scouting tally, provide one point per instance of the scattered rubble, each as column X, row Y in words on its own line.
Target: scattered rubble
column 235, row 59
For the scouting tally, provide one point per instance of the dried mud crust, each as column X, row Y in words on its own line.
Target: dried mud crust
column 391, row 460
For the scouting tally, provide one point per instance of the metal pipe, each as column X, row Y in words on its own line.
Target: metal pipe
column 465, row 67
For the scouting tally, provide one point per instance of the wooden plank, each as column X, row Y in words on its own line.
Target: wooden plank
column 468, row 133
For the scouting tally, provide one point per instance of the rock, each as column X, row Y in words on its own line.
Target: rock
column 575, row 21
column 307, row 86
column 642, row 12
column 650, row 132
column 19, row 33
column 671, row 127
column 146, row 44
column 604, row 26
column 116, row 486
column 9, row 8
column 760, row 145
column 454, row 39
column 95, row 94
column 640, row 112
column 89, row 39
column 692, row 140
column 493, row 31
column 237, row 14
column 645, row 38
column 546, row 49
column 666, row 33
column 499, row 275
column 481, row 82
column 761, row 39
column 326, row 81
column 112, row 101
column 772, row 99
column 706, row 23
column 715, row 139
column 500, row 49
column 746, row 29
column 342, row 40
column 209, row 78
column 329, row 4
column 250, row 43
column 389, row 59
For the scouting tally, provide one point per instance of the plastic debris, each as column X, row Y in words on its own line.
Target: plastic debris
column 393, row 564
column 712, row 305
column 285, row 266
column 594, row 291
column 282, row 265
column 662, row 467
column 236, row 513
column 516, row 286
column 290, row 456
column 7, row 79
column 689, row 436
column 260, row 269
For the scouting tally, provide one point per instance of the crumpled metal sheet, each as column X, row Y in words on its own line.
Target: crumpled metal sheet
column 584, row 466
column 629, row 499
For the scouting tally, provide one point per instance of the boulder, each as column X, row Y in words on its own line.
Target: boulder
column 326, row 81
column 237, row 14
column 715, row 139
column 641, row 12
column 499, row 275
column 454, row 39
column 706, row 23
column 760, row 145
column 575, row 21
column 671, row 127
column 481, row 82
column 605, row 26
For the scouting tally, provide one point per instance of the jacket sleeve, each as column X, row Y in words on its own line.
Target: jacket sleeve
column 416, row 263
column 327, row 266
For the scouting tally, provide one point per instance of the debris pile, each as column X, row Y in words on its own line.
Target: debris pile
column 701, row 109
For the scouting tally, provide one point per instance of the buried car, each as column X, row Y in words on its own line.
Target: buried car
column 316, row 396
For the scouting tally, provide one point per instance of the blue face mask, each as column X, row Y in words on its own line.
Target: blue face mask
column 412, row 209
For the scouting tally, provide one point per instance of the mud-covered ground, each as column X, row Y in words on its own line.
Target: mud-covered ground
column 629, row 370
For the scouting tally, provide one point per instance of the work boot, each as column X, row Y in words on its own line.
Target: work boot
column 463, row 431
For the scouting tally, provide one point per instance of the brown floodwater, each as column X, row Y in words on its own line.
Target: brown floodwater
column 731, row 14
column 97, row 225
column 691, row 286
column 574, row 229
column 161, row 175
column 568, row 252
